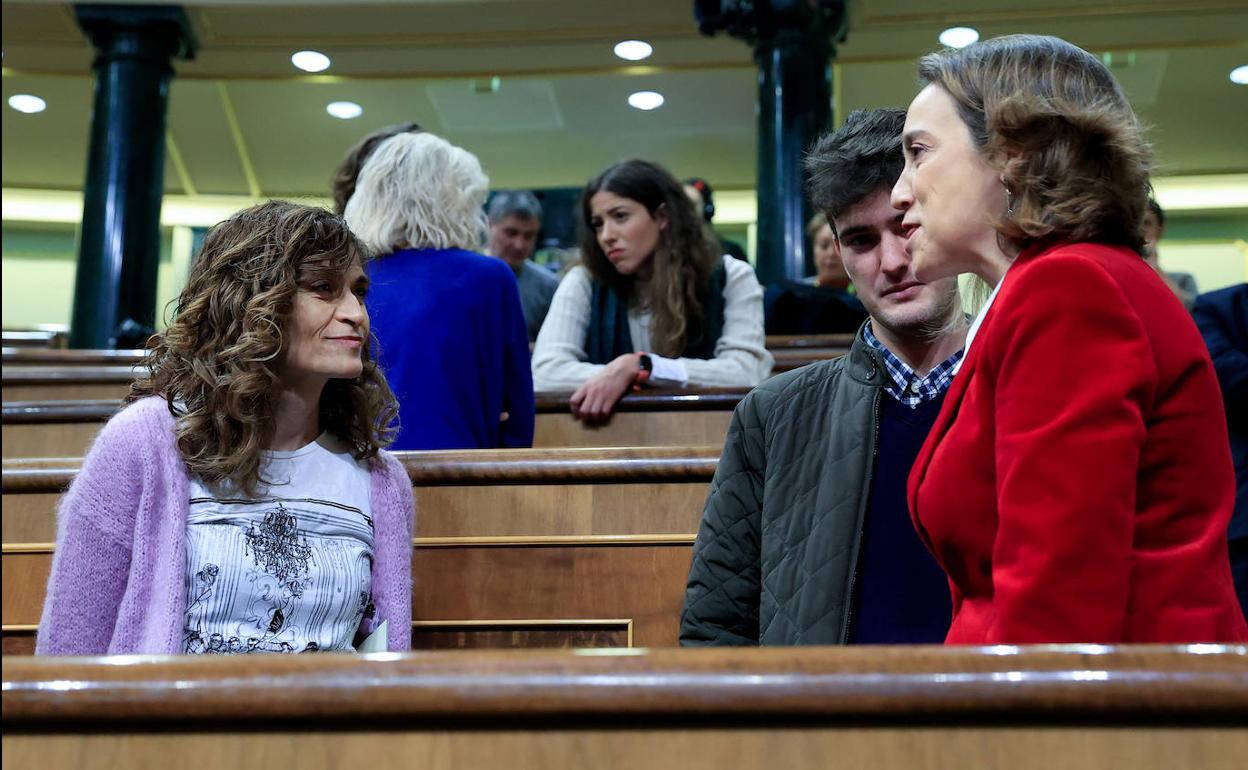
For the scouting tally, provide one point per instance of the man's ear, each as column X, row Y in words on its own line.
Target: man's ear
column 660, row 216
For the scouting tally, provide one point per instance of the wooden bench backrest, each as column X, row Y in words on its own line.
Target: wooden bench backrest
column 513, row 547
column 653, row 418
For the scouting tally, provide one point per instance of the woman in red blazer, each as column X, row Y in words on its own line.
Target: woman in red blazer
column 1077, row 484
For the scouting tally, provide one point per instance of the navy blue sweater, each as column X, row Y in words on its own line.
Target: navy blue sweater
column 454, row 348
column 901, row 595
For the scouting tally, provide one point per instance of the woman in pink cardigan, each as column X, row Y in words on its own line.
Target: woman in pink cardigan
column 241, row 501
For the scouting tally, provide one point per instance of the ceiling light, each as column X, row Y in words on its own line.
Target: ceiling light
column 27, row 103
column 1238, row 75
column 958, row 37
column 310, row 61
column 646, row 100
column 633, row 50
column 344, row 110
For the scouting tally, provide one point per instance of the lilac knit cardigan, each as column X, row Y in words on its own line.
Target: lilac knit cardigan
column 117, row 583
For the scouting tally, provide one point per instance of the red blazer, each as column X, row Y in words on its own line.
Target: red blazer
column 1077, row 484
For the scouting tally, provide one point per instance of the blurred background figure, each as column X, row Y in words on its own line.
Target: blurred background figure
column 822, row 304
column 829, row 270
column 1222, row 317
column 448, row 323
column 515, row 219
column 703, row 198
column 653, row 302
column 1182, row 284
column 343, row 184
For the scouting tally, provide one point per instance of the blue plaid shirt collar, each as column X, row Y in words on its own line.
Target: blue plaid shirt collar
column 907, row 387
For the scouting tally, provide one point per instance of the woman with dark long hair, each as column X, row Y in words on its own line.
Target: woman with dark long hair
column 652, row 302
column 240, row 502
column 1077, row 483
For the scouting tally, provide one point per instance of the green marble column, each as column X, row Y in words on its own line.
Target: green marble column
column 115, row 288
column 793, row 47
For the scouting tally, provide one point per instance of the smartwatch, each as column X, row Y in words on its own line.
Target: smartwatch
column 645, row 367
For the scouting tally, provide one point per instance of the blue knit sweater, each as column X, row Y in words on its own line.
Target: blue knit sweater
column 454, row 348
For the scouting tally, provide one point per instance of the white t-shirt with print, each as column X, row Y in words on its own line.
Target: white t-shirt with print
column 289, row 570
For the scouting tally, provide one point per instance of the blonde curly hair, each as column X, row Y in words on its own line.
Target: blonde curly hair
column 215, row 363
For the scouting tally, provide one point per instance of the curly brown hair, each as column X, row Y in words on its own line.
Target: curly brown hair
column 683, row 260
column 215, row 363
column 1053, row 120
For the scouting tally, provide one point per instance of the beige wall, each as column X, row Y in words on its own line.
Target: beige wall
column 37, row 276
column 1215, row 264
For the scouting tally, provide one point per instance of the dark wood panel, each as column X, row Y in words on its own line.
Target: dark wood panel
column 64, row 391
column 489, row 582
column 61, row 357
column 518, row 636
column 55, row 375
column 645, row 583
column 19, row 642
column 452, row 636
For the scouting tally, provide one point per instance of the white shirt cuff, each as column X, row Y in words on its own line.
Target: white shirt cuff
column 668, row 372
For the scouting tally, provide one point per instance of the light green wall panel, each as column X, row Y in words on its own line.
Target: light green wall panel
column 38, row 274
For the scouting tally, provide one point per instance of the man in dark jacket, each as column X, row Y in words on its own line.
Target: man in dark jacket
column 806, row 537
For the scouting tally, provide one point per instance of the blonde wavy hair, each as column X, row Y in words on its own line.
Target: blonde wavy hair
column 419, row 191
column 1053, row 120
column 683, row 260
column 216, row 362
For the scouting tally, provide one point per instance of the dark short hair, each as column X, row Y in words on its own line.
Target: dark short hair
column 708, row 196
column 521, row 204
column 342, row 186
column 1158, row 212
column 850, row 163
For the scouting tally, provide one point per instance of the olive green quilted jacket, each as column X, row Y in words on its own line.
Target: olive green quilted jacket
column 776, row 552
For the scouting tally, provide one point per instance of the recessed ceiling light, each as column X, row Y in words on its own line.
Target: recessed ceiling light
column 646, row 100
column 958, row 37
column 27, row 103
column 1240, row 75
column 344, row 110
column 633, row 50
column 310, row 61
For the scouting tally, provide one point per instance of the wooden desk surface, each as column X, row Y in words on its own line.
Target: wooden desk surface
column 1205, row 683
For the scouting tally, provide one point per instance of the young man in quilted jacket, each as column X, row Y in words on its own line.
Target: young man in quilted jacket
column 806, row 537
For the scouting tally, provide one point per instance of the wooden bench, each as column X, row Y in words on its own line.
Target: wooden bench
column 18, row 356
column 650, row 418
column 58, row 383
column 513, row 547
column 46, row 374
column 886, row 708
column 34, row 338
column 784, row 347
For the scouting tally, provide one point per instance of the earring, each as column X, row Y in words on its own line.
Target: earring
column 1009, row 199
